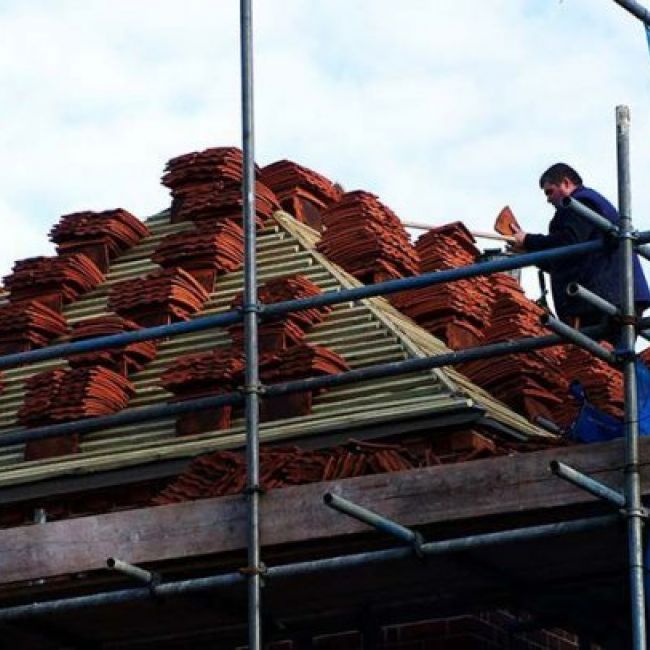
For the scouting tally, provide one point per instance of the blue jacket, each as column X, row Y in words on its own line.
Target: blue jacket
column 598, row 272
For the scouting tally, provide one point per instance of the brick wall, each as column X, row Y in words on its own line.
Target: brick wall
column 485, row 631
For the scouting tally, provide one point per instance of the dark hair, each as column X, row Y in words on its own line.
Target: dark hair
column 557, row 173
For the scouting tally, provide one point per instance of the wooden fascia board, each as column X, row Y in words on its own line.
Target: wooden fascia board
column 470, row 492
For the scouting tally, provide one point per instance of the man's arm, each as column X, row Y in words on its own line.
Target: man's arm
column 569, row 228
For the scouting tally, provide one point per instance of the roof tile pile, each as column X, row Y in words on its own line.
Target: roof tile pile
column 75, row 393
column 28, row 325
column 208, row 373
column 302, row 361
column 215, row 249
column 297, row 362
column 189, row 170
column 224, row 472
column 367, row 239
column 219, row 201
column 198, row 375
column 70, row 394
column 287, row 330
column 528, row 382
column 100, row 235
column 124, row 359
column 302, row 192
column 455, row 312
column 55, row 281
column 207, row 185
column 159, row 298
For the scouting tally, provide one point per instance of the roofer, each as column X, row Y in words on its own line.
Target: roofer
column 598, row 271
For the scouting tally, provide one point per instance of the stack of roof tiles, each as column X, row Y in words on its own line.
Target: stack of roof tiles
column 100, row 235
column 302, row 192
column 301, row 361
column 159, row 298
column 198, row 375
column 208, row 373
column 70, row 394
column 215, row 249
column 533, row 382
column 603, row 384
column 367, row 239
column 455, row 312
column 207, row 185
column 287, row 330
column 27, row 325
column 224, row 472
column 296, row 362
column 123, row 359
column 53, row 280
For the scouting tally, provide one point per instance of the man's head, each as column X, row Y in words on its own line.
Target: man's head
column 558, row 182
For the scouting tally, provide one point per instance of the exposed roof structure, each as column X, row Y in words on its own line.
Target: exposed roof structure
column 377, row 426
column 364, row 334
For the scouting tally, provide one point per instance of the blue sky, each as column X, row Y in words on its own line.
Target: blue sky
column 447, row 110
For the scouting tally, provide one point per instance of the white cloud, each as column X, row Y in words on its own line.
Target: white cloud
column 446, row 110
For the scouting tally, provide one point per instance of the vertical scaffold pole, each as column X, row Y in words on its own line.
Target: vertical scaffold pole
column 628, row 341
column 251, row 310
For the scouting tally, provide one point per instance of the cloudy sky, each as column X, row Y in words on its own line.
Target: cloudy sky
column 447, row 109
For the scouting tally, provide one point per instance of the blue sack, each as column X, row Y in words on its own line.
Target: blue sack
column 643, row 391
column 592, row 425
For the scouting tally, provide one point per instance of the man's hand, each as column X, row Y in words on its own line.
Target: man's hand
column 518, row 244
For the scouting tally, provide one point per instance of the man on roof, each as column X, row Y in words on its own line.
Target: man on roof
column 599, row 271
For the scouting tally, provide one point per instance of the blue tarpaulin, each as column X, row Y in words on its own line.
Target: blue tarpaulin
column 592, row 425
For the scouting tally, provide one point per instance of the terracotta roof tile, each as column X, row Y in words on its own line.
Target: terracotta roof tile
column 284, row 177
column 27, row 325
column 224, row 472
column 55, row 281
column 161, row 297
column 367, row 239
column 126, row 359
column 119, row 229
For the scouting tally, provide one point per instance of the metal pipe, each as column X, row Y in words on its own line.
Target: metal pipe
column 373, row 519
column 115, row 340
column 328, row 298
column 598, row 220
column 633, row 508
column 576, row 290
column 644, row 251
column 576, row 337
column 339, row 563
column 390, row 369
column 251, row 310
column 587, row 483
column 142, row 575
column 636, row 9
column 441, row 277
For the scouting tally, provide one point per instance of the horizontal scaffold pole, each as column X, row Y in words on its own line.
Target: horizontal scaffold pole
column 339, row 563
column 321, row 300
column 379, row 371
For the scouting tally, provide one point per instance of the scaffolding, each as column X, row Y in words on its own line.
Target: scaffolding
column 628, row 503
